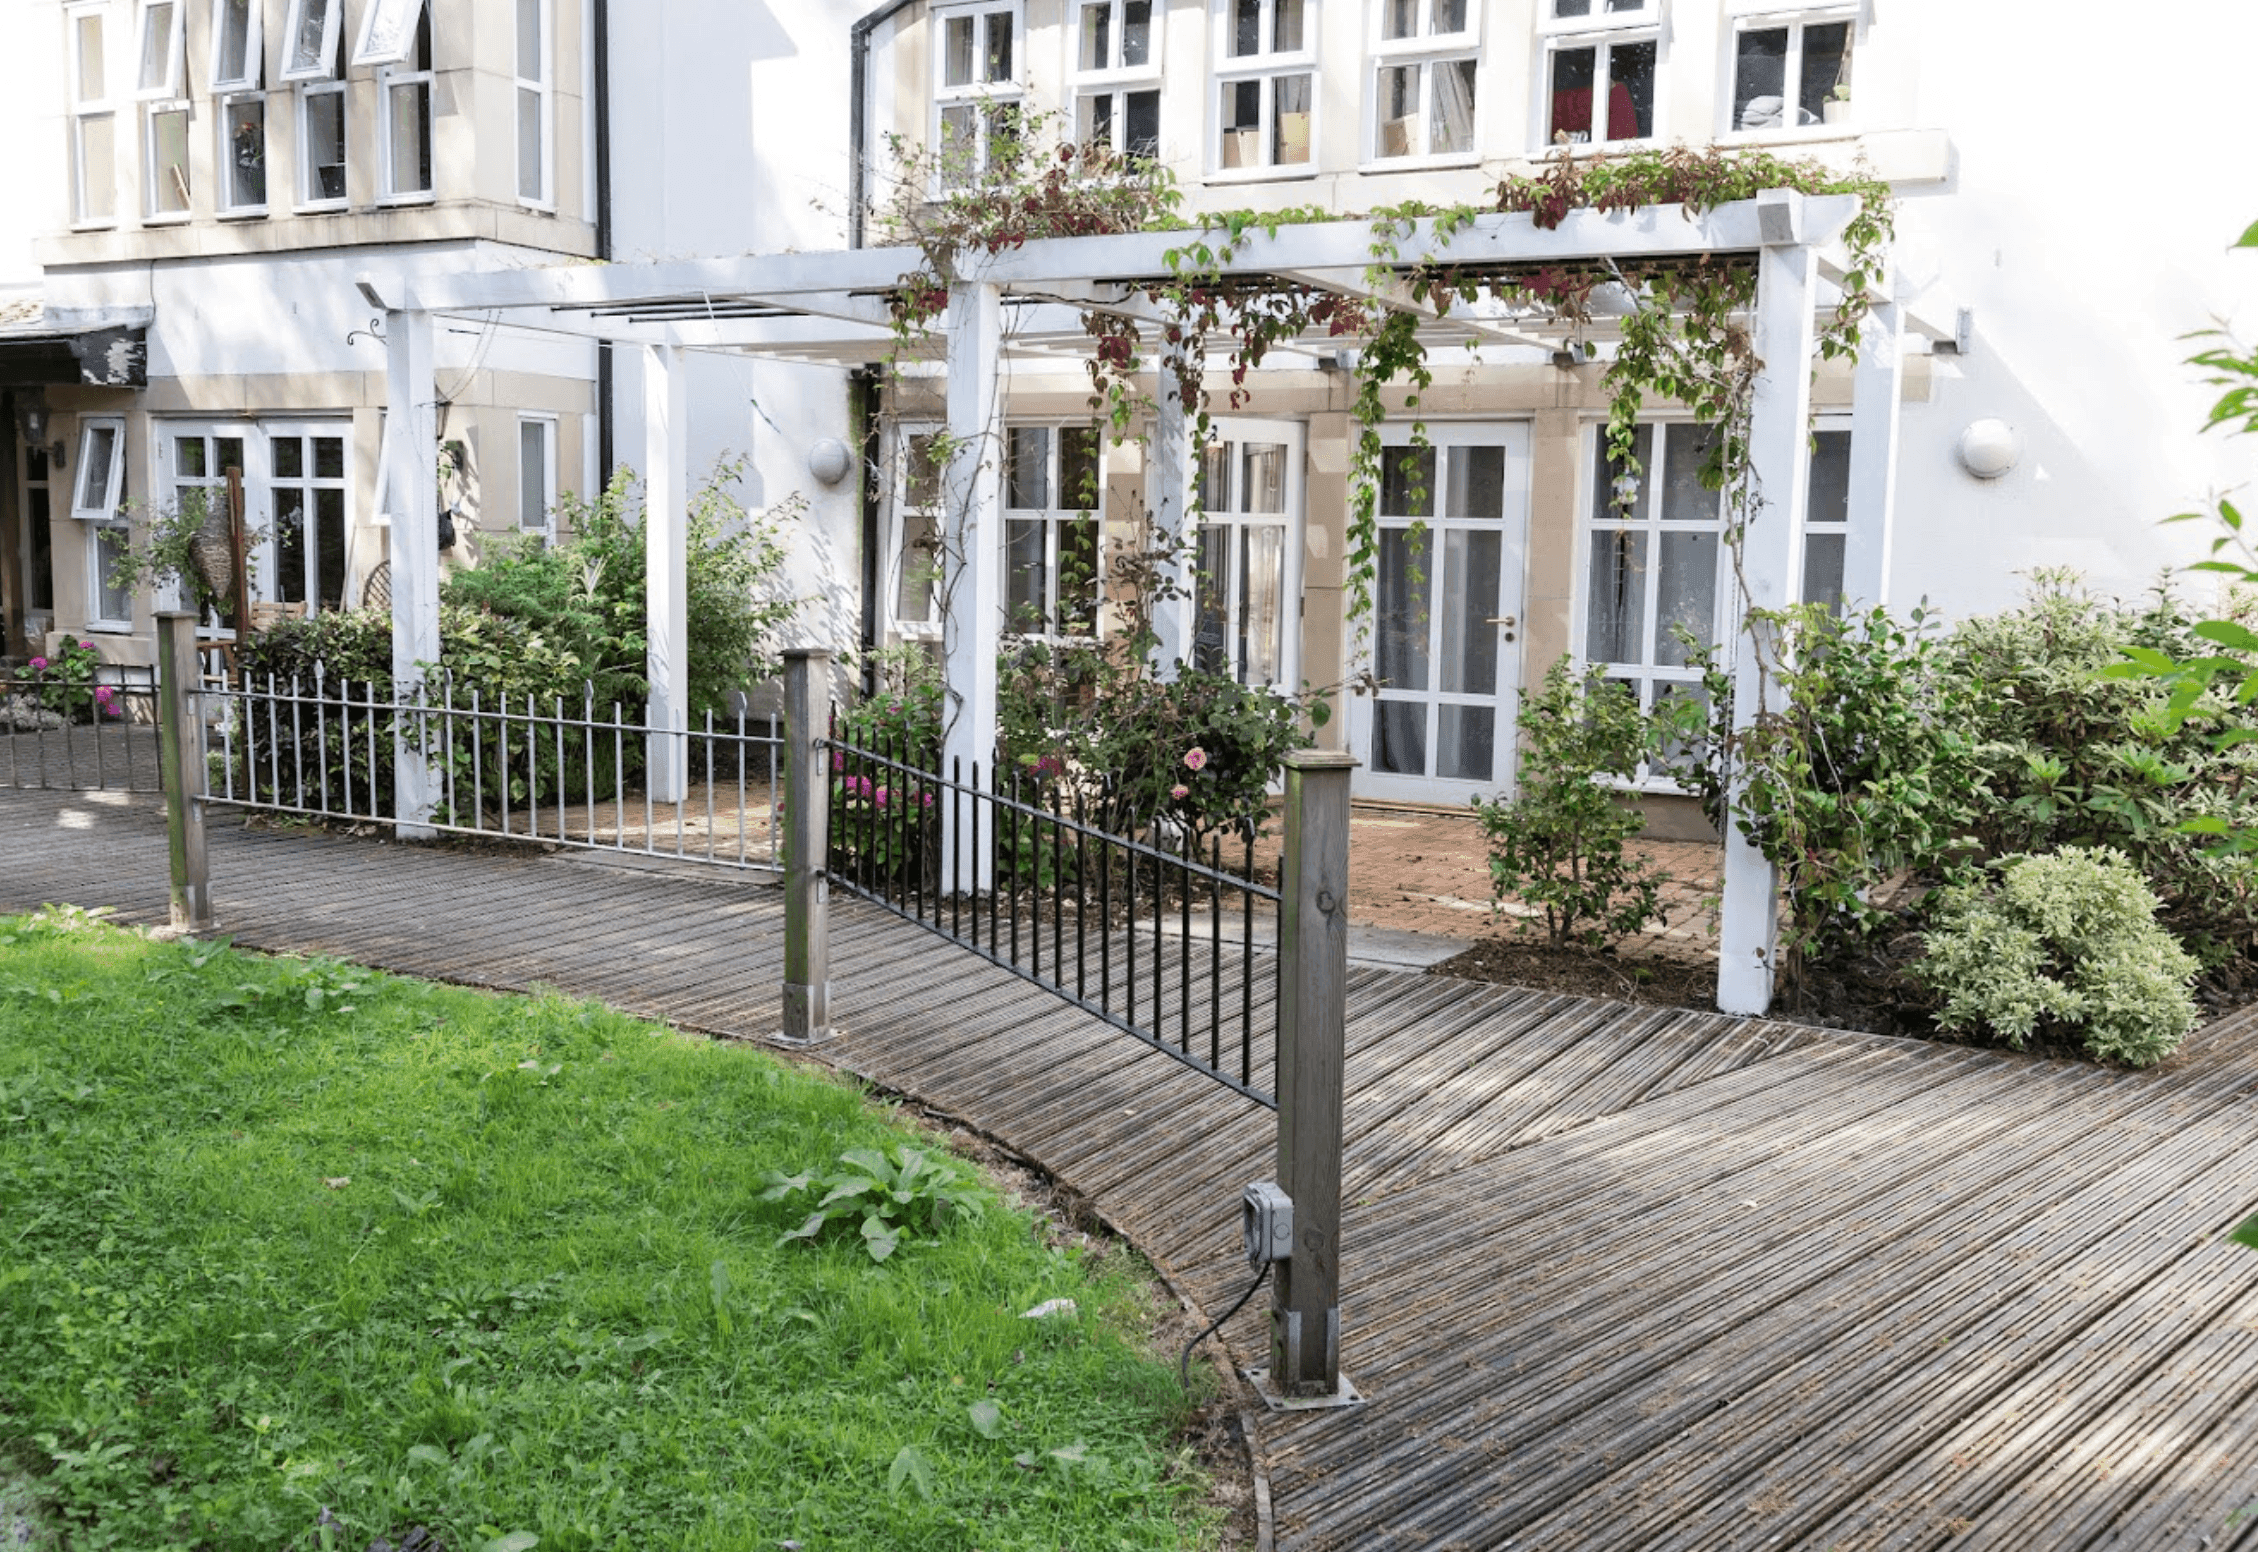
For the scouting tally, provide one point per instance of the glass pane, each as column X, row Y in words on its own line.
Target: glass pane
column 1450, row 15
column 325, row 146
column 93, row 76
column 329, row 458
column 329, row 547
column 1822, row 569
column 1451, row 126
column 1826, row 68
column 290, row 546
column 188, row 458
column 1262, row 604
column 1026, row 579
column 531, row 154
column 1246, row 28
column 1760, row 74
column 960, row 144
column 386, row 35
column 533, row 474
column 1685, row 448
column 305, row 49
column 289, row 455
column 1685, row 595
column 1399, row 111
column 1476, row 487
column 1565, row 9
column 1466, row 743
column 1286, row 31
column 1211, row 644
column 229, row 451
column 1097, row 36
column 1615, row 605
column 1290, row 139
column 98, row 449
column 529, row 39
column 956, row 51
column 1829, row 499
column 921, row 475
column 1215, row 478
column 156, row 48
column 98, row 168
column 1402, row 614
column 1470, row 603
column 1407, row 482
column 1242, row 124
column 110, row 546
column 1572, row 71
column 1078, row 576
column 1137, row 33
column 1675, row 754
column 1142, row 134
column 916, row 595
column 1262, row 485
column 1630, row 91
column 1078, row 469
column 168, row 162
column 410, row 102
column 1027, row 487
column 1615, row 494
column 1399, row 737
column 998, row 59
column 234, row 44
column 246, row 181
column 1094, row 121
column 1399, row 18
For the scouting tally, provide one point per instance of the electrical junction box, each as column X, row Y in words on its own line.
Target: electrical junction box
column 1266, row 1223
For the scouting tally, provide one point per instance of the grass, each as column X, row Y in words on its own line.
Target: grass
column 284, row 1236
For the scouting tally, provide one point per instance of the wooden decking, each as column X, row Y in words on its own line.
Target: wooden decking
column 1615, row 1278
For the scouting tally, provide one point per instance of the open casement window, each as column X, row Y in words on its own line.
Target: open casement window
column 534, row 99
column 976, row 89
column 1051, row 498
column 238, row 44
column 309, row 45
column 914, row 589
column 158, row 76
column 1114, row 75
column 1600, row 62
column 101, row 469
column 537, row 474
column 158, row 85
column 388, row 33
column 1791, row 68
column 321, row 145
column 403, row 102
column 94, row 119
column 1265, row 84
column 1424, row 57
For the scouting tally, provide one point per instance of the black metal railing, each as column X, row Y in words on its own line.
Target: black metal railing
column 510, row 766
column 1145, row 926
column 72, row 729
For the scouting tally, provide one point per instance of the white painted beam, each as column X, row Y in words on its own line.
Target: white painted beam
column 972, row 572
column 412, row 490
column 666, row 458
column 1876, row 393
column 752, row 276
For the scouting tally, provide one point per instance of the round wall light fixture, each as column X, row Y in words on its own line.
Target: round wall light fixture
column 829, row 460
column 1989, row 448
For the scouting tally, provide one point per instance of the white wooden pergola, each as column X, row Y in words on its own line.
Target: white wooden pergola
column 1027, row 303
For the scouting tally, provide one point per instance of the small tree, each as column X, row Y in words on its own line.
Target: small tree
column 1559, row 843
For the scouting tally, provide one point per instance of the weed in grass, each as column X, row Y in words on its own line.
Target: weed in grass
column 543, row 1298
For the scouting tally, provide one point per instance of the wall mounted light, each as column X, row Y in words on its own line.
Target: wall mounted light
column 829, row 460
column 34, row 419
column 1989, row 448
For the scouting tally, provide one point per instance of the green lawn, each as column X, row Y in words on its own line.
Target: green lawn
column 277, row 1235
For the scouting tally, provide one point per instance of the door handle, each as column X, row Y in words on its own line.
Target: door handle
column 1505, row 620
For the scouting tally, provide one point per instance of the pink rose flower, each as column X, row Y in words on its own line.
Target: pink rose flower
column 1195, row 759
column 39, row 662
column 1179, row 792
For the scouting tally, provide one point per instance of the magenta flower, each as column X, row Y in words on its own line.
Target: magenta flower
column 838, row 760
column 881, row 797
column 1179, row 792
column 1195, row 759
column 103, row 692
column 928, row 800
column 39, row 662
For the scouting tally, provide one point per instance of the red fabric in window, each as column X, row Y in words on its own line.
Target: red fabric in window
column 1572, row 111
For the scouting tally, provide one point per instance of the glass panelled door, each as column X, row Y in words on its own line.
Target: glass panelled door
column 294, row 480
column 1248, row 599
column 1446, row 617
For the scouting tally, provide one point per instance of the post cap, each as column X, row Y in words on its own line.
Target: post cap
column 178, row 614
column 1321, row 760
column 791, row 653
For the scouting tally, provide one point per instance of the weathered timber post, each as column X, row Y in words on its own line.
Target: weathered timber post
column 180, row 754
column 1313, row 939
column 807, row 832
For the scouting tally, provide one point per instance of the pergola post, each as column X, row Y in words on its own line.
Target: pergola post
column 1170, row 475
column 1877, row 388
column 971, row 571
column 1771, row 563
column 666, row 457
column 412, row 489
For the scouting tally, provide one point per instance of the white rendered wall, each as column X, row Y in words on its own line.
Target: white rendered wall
column 33, row 177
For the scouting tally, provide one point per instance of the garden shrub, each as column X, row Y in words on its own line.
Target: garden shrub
column 67, row 685
column 1558, row 843
column 885, row 828
column 2065, row 944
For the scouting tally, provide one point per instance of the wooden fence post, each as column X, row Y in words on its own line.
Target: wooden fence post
column 807, row 832
column 180, row 754
column 1313, row 936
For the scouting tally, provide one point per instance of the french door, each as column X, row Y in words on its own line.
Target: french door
column 1446, row 629
column 294, row 484
column 1248, row 601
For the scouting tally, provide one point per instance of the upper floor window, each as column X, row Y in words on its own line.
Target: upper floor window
column 1791, row 68
column 310, row 40
column 94, row 119
column 1600, row 59
column 391, row 32
column 976, row 89
column 238, row 60
column 1115, row 79
column 159, row 85
column 535, row 70
column 1424, row 61
column 310, row 59
column 403, row 103
column 238, row 74
column 1266, row 83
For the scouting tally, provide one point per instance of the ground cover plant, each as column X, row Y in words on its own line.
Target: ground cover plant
column 292, row 1244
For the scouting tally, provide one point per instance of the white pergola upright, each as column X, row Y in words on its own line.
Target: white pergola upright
column 1026, row 304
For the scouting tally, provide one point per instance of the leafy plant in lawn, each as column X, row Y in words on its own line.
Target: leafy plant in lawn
column 893, row 1198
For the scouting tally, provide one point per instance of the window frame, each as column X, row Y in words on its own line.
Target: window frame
column 1118, row 82
column 985, row 97
column 372, row 52
column 543, row 88
column 170, row 89
column 1647, row 14
column 294, row 25
column 254, row 50
column 548, row 422
column 223, row 155
column 1055, row 518
column 152, row 181
column 1232, row 437
column 306, row 199
column 113, row 491
column 389, row 78
column 903, row 509
column 1424, row 52
column 261, row 508
column 1795, row 17
column 1602, row 35
column 1267, row 65
column 86, row 110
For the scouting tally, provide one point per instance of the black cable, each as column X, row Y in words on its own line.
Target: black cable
column 1184, row 1364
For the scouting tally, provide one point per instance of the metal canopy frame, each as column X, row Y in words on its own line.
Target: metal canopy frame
column 1027, row 303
